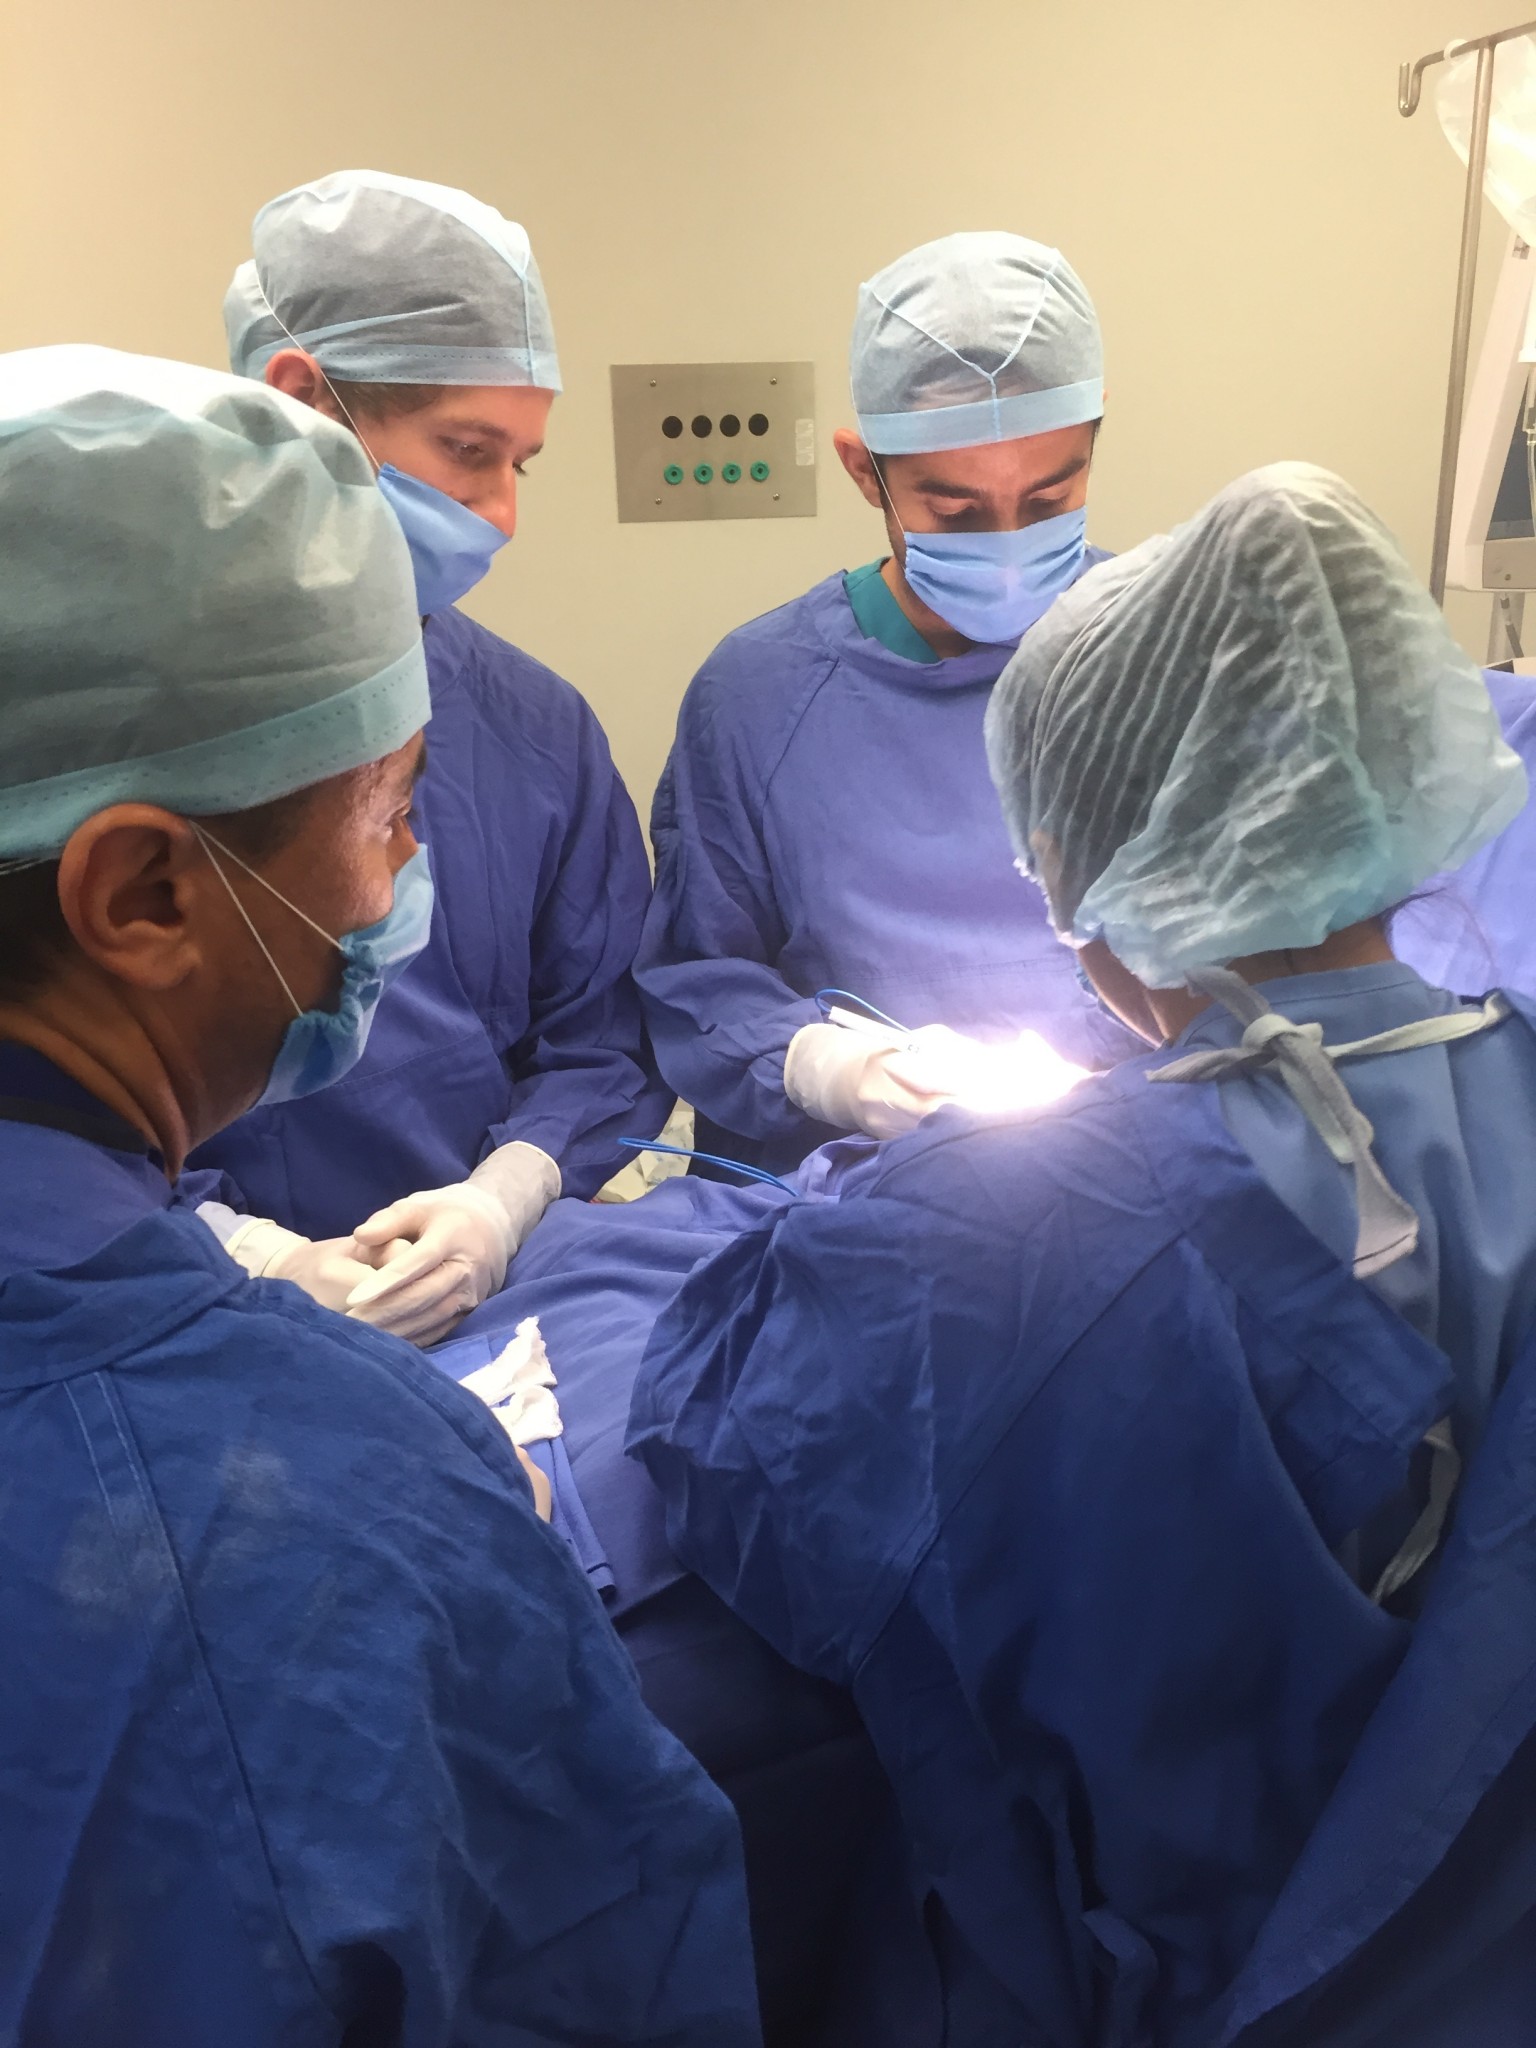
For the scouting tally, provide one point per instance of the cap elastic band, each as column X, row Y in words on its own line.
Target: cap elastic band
column 984, row 421
column 292, row 751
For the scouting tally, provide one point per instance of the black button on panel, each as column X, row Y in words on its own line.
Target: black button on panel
column 758, row 424
column 730, row 426
column 671, row 426
column 703, row 426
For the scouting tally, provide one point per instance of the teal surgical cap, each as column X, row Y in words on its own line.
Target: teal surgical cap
column 970, row 340
column 391, row 281
column 1245, row 735
column 205, row 601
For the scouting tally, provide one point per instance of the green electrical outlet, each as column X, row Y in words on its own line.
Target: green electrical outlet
column 703, row 473
column 730, row 472
column 673, row 472
column 759, row 472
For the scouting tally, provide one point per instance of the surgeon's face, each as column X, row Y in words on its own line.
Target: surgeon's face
column 998, row 489
column 168, row 989
column 338, row 866
column 470, row 441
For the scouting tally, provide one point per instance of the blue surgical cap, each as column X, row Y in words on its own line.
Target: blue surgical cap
column 392, row 281
column 970, row 340
column 1246, row 735
column 205, row 601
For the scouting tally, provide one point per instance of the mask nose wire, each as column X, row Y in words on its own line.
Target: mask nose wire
column 351, row 422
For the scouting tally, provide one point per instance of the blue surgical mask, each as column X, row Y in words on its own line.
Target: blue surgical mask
column 451, row 547
column 320, row 1046
column 993, row 586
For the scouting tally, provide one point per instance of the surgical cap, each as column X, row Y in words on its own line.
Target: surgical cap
column 974, row 339
column 1246, row 735
column 205, row 601
column 392, row 281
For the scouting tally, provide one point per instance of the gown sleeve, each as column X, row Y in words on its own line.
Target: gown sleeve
column 479, row 1832
column 582, row 1073
column 783, row 1410
column 721, row 1015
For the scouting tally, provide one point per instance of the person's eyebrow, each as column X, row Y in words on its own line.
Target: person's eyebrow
column 941, row 487
column 1063, row 475
column 419, row 765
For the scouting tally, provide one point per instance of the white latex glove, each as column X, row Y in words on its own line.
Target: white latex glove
column 997, row 1078
column 885, row 1083
column 446, row 1249
column 328, row 1268
column 861, row 1080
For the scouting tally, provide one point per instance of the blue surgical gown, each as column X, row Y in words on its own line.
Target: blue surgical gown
column 311, row 1731
column 1474, row 929
column 826, row 819
column 1051, row 1438
column 520, row 1020
column 787, row 1748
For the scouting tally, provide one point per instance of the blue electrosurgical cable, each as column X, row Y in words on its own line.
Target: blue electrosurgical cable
column 757, row 1173
column 825, row 998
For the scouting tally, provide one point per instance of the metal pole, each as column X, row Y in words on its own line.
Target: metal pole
column 1461, row 327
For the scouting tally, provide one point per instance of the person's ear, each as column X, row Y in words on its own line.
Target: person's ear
column 297, row 375
column 131, row 882
column 859, row 463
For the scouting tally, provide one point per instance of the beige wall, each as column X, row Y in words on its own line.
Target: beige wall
column 1272, row 249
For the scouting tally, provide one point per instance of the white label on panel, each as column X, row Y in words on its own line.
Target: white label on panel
column 805, row 444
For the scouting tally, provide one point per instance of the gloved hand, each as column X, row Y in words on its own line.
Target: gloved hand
column 994, row 1078
column 862, row 1080
column 444, row 1250
column 328, row 1268
column 885, row 1083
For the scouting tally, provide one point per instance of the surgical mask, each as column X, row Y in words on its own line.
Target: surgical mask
column 993, row 586
column 320, row 1046
column 451, row 547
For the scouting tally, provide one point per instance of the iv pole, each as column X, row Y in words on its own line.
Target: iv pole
column 1410, row 81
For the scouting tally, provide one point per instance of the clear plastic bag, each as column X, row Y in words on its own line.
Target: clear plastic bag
column 1510, row 178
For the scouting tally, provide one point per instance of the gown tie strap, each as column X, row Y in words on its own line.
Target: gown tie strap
column 1388, row 1226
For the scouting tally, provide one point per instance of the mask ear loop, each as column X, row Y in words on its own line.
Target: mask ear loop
column 874, row 463
column 346, row 411
column 207, row 841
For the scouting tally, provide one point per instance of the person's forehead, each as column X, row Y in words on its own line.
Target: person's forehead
column 495, row 411
column 1032, row 462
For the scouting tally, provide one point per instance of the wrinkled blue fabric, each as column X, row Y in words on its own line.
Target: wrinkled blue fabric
column 314, row 1731
column 1042, row 1438
column 826, row 818
column 1475, row 929
column 520, row 1021
column 1442, row 1139
column 840, row 1956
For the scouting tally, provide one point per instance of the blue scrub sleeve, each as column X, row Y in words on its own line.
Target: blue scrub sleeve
column 721, row 1015
column 582, row 1071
